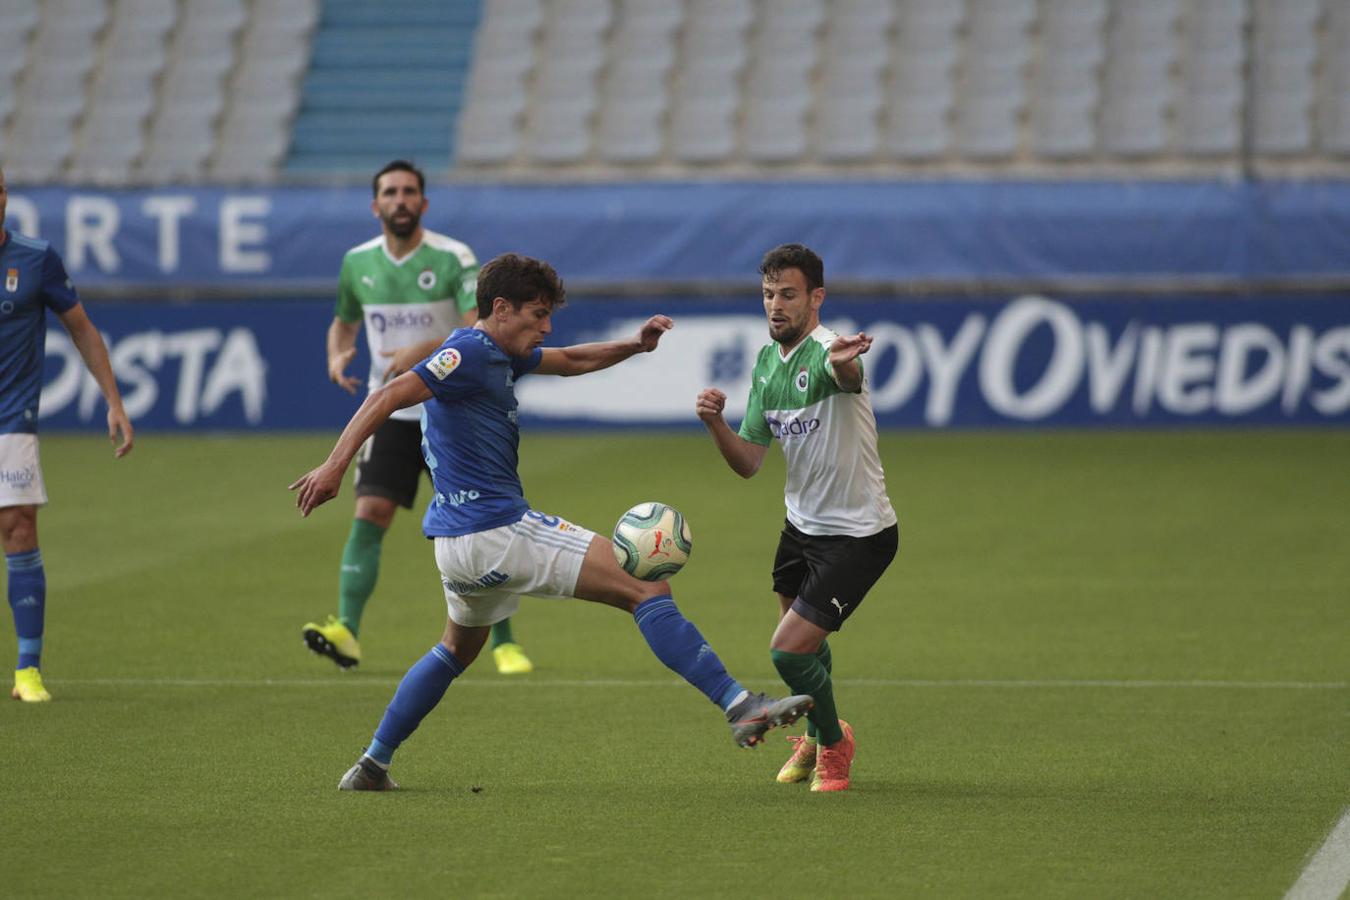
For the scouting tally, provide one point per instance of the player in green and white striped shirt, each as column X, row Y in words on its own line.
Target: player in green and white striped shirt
column 808, row 392
column 410, row 288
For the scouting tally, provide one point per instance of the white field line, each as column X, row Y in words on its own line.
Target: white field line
column 1327, row 874
column 340, row 680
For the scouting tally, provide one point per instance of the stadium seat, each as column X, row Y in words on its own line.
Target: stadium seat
column 1282, row 123
column 1209, row 122
column 630, row 132
column 773, row 130
column 847, row 131
column 559, row 132
column 917, row 128
column 1134, row 127
column 703, row 129
column 488, row 134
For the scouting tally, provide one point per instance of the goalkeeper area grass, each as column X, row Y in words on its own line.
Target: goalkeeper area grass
column 1107, row 664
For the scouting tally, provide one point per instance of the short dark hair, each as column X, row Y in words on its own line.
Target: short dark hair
column 519, row 279
column 398, row 165
column 794, row 256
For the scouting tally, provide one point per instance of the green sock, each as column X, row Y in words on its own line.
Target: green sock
column 360, row 569
column 823, row 654
column 501, row 634
column 805, row 674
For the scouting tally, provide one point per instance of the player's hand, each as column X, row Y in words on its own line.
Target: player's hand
column 848, row 347
column 710, row 404
column 400, row 361
column 316, row 487
column 337, row 370
column 651, row 332
column 118, row 422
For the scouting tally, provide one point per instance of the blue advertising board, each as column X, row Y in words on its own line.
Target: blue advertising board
column 1020, row 361
column 292, row 238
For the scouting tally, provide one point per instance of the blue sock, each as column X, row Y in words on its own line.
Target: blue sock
column 28, row 602
column 678, row 644
column 418, row 693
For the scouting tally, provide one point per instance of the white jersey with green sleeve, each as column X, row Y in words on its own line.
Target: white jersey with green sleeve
column 404, row 301
column 835, row 484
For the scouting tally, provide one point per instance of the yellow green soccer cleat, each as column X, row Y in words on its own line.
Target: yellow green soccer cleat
column 335, row 641
column 28, row 686
column 833, row 763
column 511, row 659
column 802, row 764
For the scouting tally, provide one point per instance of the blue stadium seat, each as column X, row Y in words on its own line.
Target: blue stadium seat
column 401, row 101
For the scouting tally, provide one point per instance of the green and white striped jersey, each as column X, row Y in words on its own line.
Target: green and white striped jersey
column 835, row 484
column 404, row 301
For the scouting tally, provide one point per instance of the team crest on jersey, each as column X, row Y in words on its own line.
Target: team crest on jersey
column 443, row 363
column 12, row 281
column 426, row 280
column 802, row 380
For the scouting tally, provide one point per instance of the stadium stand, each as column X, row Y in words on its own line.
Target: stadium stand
column 384, row 81
column 155, row 91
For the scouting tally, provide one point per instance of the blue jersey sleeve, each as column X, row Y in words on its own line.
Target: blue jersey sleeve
column 58, row 293
column 454, row 370
column 521, row 365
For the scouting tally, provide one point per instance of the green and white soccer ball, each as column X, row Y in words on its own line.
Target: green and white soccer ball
column 652, row 541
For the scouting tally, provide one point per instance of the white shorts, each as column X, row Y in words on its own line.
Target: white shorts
column 20, row 471
column 486, row 573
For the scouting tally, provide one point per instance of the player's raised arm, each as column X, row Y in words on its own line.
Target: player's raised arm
column 744, row 457
column 844, row 353
column 579, row 359
column 321, row 485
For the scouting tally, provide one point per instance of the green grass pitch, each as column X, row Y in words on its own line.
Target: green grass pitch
column 1104, row 665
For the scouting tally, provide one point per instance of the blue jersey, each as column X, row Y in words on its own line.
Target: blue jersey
column 469, row 434
column 34, row 281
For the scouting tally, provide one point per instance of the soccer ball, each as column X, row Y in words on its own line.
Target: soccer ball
column 652, row 541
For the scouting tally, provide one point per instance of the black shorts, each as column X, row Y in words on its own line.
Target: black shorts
column 830, row 575
column 390, row 463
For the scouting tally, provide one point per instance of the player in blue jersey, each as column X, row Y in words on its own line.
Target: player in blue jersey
column 491, row 547
column 35, row 281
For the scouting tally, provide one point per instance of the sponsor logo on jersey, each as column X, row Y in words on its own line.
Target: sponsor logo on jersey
column 802, row 380
column 458, row 498
column 12, row 281
column 444, row 362
column 383, row 322
column 368, row 281
column 426, row 279
column 18, row 478
column 792, row 427
column 490, row 580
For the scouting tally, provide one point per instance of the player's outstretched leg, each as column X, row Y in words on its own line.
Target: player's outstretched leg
column 506, row 653
column 28, row 603
column 677, row 643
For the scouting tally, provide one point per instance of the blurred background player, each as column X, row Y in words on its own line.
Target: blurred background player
column 35, row 281
column 411, row 287
column 491, row 547
column 808, row 391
